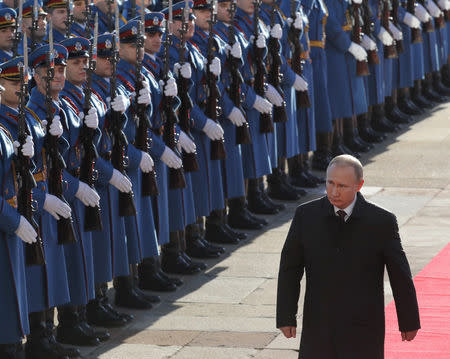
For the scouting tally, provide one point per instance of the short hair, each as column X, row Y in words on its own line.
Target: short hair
column 348, row 161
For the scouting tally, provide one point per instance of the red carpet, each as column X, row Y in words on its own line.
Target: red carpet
column 433, row 293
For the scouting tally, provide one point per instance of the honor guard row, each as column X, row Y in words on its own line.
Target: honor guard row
column 134, row 142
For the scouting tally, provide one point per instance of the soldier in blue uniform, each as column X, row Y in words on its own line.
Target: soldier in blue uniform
column 140, row 229
column 7, row 31
column 14, row 229
column 41, row 32
column 127, row 10
column 80, row 27
column 47, row 285
column 106, row 16
column 57, row 12
column 72, row 328
column 113, row 230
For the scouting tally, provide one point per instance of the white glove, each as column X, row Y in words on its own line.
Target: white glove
column 385, row 37
column 171, row 159
column 56, row 207
column 357, row 51
column 298, row 22
column 236, row 50
column 91, row 119
column 300, row 84
column 261, row 41
column 444, row 4
column 214, row 67
column 27, row 148
column 120, row 103
column 276, row 31
column 412, row 21
column 56, row 128
column 396, row 33
column 146, row 164
column 121, row 182
column 87, row 195
column 368, row 43
column 273, row 95
column 356, row 1
column 25, row 231
column 213, row 130
column 236, row 117
column 184, row 70
column 421, row 13
column 433, row 8
column 186, row 143
column 170, row 89
column 144, row 97
column 262, row 105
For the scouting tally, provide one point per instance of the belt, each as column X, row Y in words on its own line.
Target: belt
column 40, row 176
column 320, row 44
column 75, row 172
column 107, row 156
column 12, row 201
column 304, row 55
column 347, row 27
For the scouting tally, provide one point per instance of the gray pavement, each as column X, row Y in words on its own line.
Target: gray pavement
column 229, row 310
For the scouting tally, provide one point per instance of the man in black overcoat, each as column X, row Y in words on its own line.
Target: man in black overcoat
column 343, row 243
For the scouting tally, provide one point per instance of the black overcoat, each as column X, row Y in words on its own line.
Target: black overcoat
column 343, row 312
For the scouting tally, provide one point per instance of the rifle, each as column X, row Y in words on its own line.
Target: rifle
column 69, row 20
column 439, row 22
column 416, row 34
column 34, row 24
column 18, row 30
column 399, row 43
column 218, row 151
column 110, row 17
column 390, row 52
column 234, row 91
column 92, row 216
column 427, row 26
column 149, row 184
column 133, row 9
column 116, row 121
column 34, row 253
column 274, row 76
column 265, row 119
column 362, row 67
column 88, row 15
column 367, row 29
column 55, row 163
column 302, row 97
column 176, row 175
column 190, row 162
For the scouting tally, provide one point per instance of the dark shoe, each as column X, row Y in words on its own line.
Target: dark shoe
column 197, row 249
column 125, row 316
column 174, row 280
column 278, row 190
column 102, row 335
column 148, row 297
column 154, row 281
column 176, row 264
column 240, row 217
column 213, row 247
column 126, row 296
column 65, row 351
column 270, row 202
column 382, row 124
column 75, row 335
column 240, row 235
column 41, row 348
column 12, row 351
column 101, row 317
column 217, row 234
column 257, row 204
column 202, row 266
column 396, row 116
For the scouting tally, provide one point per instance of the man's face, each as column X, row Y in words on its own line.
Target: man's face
column 41, row 30
column 202, row 17
column 76, row 70
column 56, row 85
column 59, row 18
column 79, row 10
column 246, row 6
column 176, row 25
column 128, row 52
column 103, row 67
column 222, row 11
column 7, row 38
column 9, row 96
column 153, row 42
column 342, row 185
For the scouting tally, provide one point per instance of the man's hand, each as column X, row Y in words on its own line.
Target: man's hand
column 408, row 336
column 290, row 332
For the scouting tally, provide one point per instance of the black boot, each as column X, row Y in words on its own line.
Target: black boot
column 322, row 155
column 379, row 122
column 256, row 202
column 150, row 277
column 352, row 139
column 278, row 189
column 438, row 86
column 135, row 277
column 428, row 90
column 408, row 105
column 173, row 261
column 126, row 296
column 307, row 169
column 338, row 147
column 50, row 327
column 216, row 232
column 445, row 75
column 98, row 315
column 240, row 235
column 393, row 113
column 240, row 217
column 12, row 351
column 367, row 133
column 70, row 331
column 298, row 175
column 197, row 246
column 101, row 293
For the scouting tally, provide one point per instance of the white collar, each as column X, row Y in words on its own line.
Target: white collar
column 348, row 210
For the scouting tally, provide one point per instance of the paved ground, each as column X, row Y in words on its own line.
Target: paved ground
column 229, row 311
